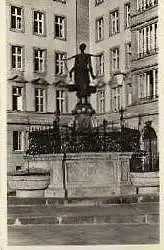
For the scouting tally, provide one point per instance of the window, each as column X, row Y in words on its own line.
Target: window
column 39, row 23
column 99, row 29
column 60, row 27
column 114, row 22
column 39, row 100
column 97, row 2
column 17, row 101
column 149, row 144
column 129, row 94
column 61, row 1
column 100, row 65
column 116, row 98
column 128, row 55
column 100, row 101
column 18, row 140
column 61, row 101
column 143, row 5
column 16, row 18
column 148, row 85
column 115, row 59
column 155, row 36
column 39, row 60
column 59, row 63
column 127, row 15
column 147, row 40
column 16, row 60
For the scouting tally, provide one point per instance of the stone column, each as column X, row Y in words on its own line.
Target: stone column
column 149, row 39
column 56, row 188
column 153, row 37
column 147, row 85
column 144, row 85
column 139, row 42
column 139, row 86
column 154, row 82
column 144, row 39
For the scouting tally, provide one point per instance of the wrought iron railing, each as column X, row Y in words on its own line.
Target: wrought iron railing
column 66, row 139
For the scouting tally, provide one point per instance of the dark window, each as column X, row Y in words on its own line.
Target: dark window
column 60, row 27
column 16, row 18
column 17, row 103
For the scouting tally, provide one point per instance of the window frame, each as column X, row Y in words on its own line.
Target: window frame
column 147, row 82
column 127, row 15
column 63, row 98
column 129, row 91
column 147, row 33
column 128, row 54
column 113, row 70
column 140, row 8
column 98, row 2
column 101, row 100
column 16, row 55
column 17, row 95
column 39, row 97
column 60, row 1
column 16, row 29
column 20, row 141
column 44, row 60
column 116, row 22
column 99, row 71
column 99, row 37
column 117, row 96
column 64, row 62
column 36, row 33
column 65, row 27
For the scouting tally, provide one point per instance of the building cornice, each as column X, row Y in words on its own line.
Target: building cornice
column 40, row 81
column 18, row 79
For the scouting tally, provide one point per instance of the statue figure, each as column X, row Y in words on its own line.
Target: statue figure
column 82, row 67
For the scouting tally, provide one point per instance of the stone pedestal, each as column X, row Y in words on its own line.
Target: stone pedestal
column 84, row 175
column 83, row 116
column 56, row 188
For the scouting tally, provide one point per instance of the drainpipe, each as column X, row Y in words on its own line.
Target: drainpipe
column 76, row 29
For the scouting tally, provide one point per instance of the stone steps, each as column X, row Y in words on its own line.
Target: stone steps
column 94, row 219
column 137, row 213
column 126, row 199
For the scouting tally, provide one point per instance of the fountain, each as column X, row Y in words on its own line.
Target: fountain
column 84, row 161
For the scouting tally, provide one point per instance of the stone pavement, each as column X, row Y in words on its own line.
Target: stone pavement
column 122, row 213
column 83, row 225
column 83, row 234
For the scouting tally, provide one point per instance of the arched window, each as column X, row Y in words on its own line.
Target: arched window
column 149, row 144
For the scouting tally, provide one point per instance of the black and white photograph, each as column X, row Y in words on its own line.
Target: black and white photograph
column 82, row 122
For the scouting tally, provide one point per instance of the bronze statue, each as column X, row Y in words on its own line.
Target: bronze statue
column 82, row 67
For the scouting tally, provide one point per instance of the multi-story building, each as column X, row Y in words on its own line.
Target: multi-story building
column 110, row 37
column 144, row 70
column 125, row 33
column 40, row 34
column 144, row 64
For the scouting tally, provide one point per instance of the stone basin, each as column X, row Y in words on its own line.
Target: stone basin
column 28, row 185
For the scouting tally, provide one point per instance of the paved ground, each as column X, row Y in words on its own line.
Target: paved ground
column 121, row 209
column 83, row 234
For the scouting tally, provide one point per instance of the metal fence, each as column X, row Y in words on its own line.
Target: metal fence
column 106, row 137
column 55, row 139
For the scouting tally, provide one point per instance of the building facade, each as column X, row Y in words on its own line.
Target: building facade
column 125, row 33
column 40, row 35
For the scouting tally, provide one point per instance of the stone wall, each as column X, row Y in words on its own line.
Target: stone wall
column 93, row 175
column 88, row 175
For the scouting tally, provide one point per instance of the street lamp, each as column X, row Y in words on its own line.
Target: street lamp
column 121, row 111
